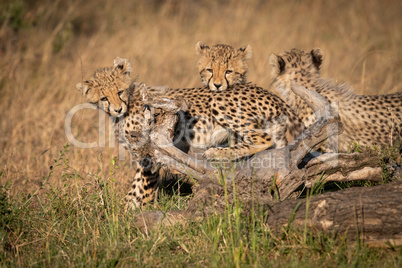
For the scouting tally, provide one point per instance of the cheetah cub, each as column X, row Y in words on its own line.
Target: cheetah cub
column 367, row 120
column 221, row 66
column 112, row 90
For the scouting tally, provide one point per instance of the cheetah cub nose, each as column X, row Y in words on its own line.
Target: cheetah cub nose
column 217, row 86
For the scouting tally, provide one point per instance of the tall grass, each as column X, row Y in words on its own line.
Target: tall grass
column 73, row 226
column 46, row 47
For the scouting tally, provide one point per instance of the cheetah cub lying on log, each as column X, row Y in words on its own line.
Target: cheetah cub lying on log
column 367, row 120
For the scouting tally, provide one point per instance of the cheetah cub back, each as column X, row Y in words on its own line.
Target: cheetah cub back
column 367, row 119
column 222, row 66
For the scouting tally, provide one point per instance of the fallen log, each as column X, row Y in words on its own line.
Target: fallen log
column 370, row 214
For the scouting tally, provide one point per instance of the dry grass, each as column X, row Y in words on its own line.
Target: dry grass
column 51, row 45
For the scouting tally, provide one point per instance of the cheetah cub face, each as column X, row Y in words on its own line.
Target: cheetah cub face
column 297, row 65
column 221, row 66
column 107, row 87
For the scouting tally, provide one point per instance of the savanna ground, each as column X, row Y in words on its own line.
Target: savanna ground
column 51, row 213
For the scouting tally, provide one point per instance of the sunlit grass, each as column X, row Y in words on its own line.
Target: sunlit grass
column 88, row 226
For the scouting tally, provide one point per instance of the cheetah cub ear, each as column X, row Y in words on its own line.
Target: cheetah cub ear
column 245, row 52
column 123, row 64
column 317, row 57
column 201, row 49
column 278, row 64
column 82, row 87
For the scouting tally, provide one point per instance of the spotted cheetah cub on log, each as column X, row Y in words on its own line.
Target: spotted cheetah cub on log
column 221, row 66
column 367, row 120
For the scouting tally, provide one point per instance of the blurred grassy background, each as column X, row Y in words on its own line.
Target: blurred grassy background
column 46, row 47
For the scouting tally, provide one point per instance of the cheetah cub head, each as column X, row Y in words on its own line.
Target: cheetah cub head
column 297, row 65
column 108, row 87
column 221, row 66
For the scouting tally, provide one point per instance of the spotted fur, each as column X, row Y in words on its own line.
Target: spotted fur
column 367, row 119
column 221, row 66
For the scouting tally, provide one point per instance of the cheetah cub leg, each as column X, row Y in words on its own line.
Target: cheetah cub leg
column 254, row 141
column 133, row 198
column 145, row 185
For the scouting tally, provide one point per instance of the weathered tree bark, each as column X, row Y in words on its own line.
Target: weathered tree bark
column 371, row 214
column 161, row 136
